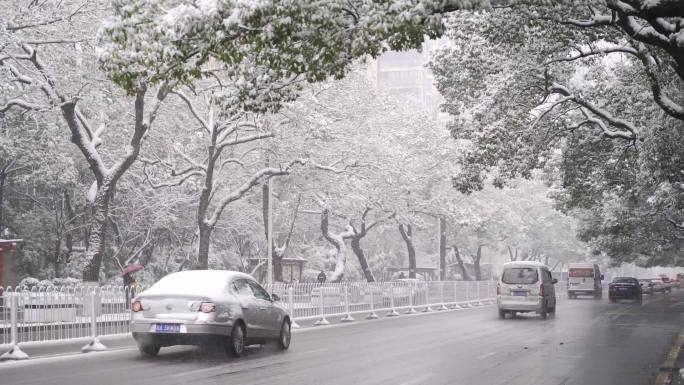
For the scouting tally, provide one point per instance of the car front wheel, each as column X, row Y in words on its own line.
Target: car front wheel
column 285, row 335
column 236, row 342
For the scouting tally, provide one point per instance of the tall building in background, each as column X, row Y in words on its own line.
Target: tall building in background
column 405, row 74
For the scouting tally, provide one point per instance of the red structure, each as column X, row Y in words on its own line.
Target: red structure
column 7, row 274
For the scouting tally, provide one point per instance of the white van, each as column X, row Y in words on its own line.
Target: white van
column 584, row 279
column 526, row 286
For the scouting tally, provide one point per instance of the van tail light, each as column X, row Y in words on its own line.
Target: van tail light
column 541, row 290
column 136, row 306
column 207, row 307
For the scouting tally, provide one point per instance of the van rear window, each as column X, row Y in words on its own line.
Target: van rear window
column 520, row 275
column 586, row 272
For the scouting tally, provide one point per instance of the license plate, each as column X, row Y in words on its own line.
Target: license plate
column 168, row 328
column 520, row 293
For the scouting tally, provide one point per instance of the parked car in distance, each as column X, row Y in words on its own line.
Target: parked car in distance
column 659, row 286
column 624, row 288
column 666, row 282
column 646, row 286
column 199, row 307
column 584, row 279
column 526, row 287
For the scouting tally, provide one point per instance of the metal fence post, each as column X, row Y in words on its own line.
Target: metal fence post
column 15, row 353
column 427, row 299
column 347, row 316
column 393, row 311
column 290, row 303
column 411, row 310
column 372, row 314
column 479, row 293
column 94, row 345
column 322, row 320
column 491, row 291
column 441, row 296
column 457, row 305
column 467, row 295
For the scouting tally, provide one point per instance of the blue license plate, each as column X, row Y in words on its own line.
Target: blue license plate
column 520, row 293
column 168, row 328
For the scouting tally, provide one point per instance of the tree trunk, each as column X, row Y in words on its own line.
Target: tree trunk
column 3, row 176
column 337, row 240
column 476, row 264
column 407, row 235
column 461, row 265
column 358, row 251
column 442, row 249
column 511, row 255
column 96, row 239
column 69, row 237
column 277, row 257
column 56, row 254
column 106, row 178
column 203, row 249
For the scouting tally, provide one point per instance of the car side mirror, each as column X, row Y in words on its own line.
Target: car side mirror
column 275, row 297
column 554, row 281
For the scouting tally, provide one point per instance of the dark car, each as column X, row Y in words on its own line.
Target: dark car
column 624, row 288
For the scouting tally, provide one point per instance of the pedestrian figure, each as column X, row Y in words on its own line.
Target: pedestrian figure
column 128, row 282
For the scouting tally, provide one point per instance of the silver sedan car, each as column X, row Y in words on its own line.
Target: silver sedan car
column 199, row 307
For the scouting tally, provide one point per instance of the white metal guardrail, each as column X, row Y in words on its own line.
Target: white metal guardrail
column 54, row 314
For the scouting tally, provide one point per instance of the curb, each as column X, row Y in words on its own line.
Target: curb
column 669, row 371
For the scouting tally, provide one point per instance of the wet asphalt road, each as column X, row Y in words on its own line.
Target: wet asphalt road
column 588, row 342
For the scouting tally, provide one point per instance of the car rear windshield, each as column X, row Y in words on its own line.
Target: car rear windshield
column 624, row 280
column 520, row 275
column 587, row 272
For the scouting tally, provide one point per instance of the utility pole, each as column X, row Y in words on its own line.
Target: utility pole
column 269, row 247
column 442, row 248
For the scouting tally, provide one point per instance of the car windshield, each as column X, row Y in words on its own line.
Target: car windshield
column 581, row 272
column 520, row 275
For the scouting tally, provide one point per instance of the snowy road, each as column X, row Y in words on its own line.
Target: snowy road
column 589, row 342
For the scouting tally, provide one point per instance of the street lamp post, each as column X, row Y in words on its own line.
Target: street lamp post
column 269, row 247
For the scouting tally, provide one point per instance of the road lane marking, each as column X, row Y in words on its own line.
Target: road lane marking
column 482, row 357
column 63, row 357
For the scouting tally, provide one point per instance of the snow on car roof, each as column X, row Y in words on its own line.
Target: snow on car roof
column 194, row 282
column 523, row 264
column 580, row 265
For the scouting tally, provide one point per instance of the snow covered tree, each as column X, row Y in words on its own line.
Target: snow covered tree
column 150, row 47
column 575, row 87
